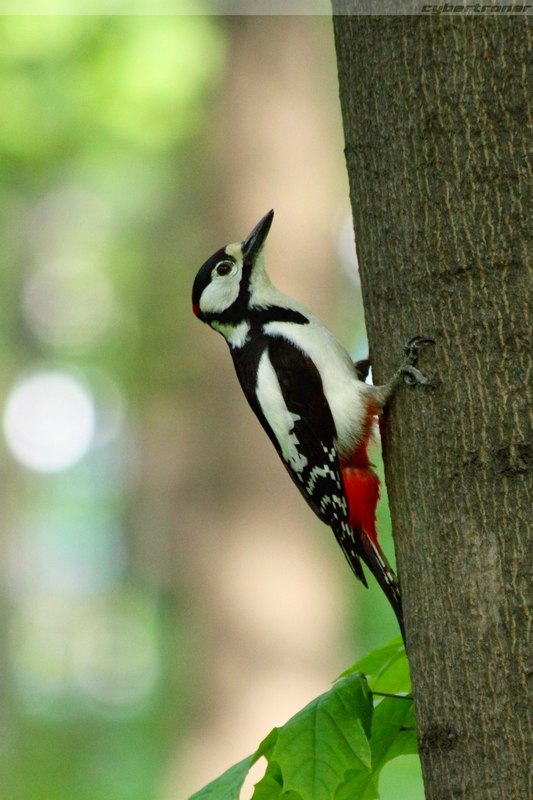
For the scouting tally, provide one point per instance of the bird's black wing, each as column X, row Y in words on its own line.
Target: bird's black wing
column 313, row 463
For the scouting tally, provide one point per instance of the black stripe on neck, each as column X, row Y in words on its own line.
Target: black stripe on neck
column 257, row 317
column 260, row 316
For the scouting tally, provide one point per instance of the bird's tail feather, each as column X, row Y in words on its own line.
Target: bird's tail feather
column 376, row 561
column 357, row 546
column 349, row 541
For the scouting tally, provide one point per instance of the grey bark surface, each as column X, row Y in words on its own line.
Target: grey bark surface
column 438, row 124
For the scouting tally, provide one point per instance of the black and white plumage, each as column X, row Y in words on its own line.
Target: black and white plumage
column 304, row 389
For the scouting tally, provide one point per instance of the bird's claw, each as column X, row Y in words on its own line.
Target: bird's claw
column 412, row 347
column 410, row 374
column 407, row 373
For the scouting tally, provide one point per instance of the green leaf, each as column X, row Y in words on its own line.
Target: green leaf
column 371, row 664
column 329, row 737
column 393, row 726
column 228, row 785
column 270, row 787
column 336, row 746
column 393, row 734
column 386, row 669
column 393, row 731
column 266, row 746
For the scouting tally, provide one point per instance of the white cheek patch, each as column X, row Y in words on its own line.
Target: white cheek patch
column 221, row 293
column 278, row 416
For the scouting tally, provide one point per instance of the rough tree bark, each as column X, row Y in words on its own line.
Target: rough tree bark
column 438, row 124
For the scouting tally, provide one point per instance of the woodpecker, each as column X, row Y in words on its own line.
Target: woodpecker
column 308, row 395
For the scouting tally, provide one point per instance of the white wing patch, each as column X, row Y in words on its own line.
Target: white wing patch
column 278, row 416
column 347, row 397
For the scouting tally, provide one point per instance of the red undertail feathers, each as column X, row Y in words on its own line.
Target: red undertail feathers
column 362, row 493
column 362, row 484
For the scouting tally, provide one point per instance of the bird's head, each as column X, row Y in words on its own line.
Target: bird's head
column 233, row 279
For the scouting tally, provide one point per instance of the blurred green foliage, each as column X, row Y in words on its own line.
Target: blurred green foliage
column 78, row 86
column 99, row 117
column 113, row 104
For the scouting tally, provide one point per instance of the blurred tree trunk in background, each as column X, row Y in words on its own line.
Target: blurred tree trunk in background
column 439, row 144
column 228, row 530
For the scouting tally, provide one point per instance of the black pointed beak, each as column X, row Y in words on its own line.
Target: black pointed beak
column 255, row 240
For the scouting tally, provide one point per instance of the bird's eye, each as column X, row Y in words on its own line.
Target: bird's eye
column 224, row 268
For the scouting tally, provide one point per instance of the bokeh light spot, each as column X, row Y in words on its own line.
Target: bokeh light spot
column 69, row 303
column 49, row 421
column 116, row 660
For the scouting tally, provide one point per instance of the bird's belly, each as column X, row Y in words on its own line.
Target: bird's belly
column 349, row 408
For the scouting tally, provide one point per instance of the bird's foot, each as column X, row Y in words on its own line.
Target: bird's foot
column 407, row 373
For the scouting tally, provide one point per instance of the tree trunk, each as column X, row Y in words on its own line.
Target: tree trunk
column 439, row 145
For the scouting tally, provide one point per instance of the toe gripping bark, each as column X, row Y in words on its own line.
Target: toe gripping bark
column 408, row 371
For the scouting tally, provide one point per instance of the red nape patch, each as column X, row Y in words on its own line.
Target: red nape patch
column 362, row 492
column 195, row 310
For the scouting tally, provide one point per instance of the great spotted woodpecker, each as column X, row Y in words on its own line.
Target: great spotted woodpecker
column 308, row 396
